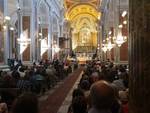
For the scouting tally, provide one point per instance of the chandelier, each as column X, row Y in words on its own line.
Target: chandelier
column 107, row 46
column 24, row 38
column 120, row 39
column 110, row 45
column 104, row 48
column 7, row 23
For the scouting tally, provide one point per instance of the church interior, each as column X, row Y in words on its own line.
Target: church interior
column 51, row 47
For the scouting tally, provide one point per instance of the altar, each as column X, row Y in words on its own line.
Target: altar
column 83, row 57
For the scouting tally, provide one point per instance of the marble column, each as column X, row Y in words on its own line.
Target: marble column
column 117, row 54
column 139, row 57
column 98, row 40
column 101, row 40
column 50, row 37
column 70, row 37
column 19, row 29
column 6, row 46
column 6, row 35
column 33, row 32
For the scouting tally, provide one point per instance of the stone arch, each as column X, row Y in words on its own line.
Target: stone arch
column 12, row 11
column 43, row 12
column 84, row 19
column 78, row 4
column 26, row 3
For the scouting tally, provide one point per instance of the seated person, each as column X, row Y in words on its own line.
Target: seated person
column 26, row 103
column 102, row 97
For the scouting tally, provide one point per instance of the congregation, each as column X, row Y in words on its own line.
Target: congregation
column 37, row 79
column 103, row 87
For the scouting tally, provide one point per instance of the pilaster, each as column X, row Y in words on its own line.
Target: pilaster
column 139, row 57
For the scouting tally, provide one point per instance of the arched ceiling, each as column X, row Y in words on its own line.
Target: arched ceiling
column 80, row 9
column 75, row 8
column 69, row 3
column 81, row 12
column 83, row 19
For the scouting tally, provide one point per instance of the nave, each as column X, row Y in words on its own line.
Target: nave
column 43, row 41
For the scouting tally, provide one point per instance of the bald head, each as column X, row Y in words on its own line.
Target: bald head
column 102, row 95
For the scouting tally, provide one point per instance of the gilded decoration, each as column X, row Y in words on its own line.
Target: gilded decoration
column 83, row 17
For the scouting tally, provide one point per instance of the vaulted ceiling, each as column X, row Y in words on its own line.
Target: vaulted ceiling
column 83, row 16
column 76, row 8
column 70, row 3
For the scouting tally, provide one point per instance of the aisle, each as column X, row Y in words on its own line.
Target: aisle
column 55, row 100
column 66, row 103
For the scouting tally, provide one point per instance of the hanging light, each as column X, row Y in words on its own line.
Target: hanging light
column 57, row 49
column 99, row 16
column 124, row 13
column 120, row 39
column 114, row 38
column 110, row 32
column 120, row 26
column 7, row 23
column 124, row 22
column 104, row 48
column 98, row 47
column 110, row 45
column 40, row 34
column 11, row 28
column 4, row 27
column 7, row 18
